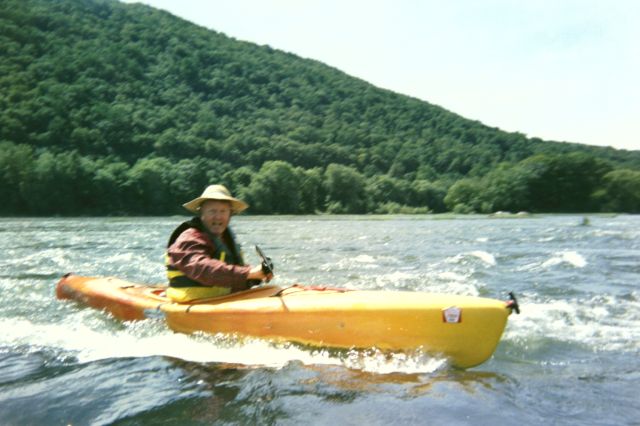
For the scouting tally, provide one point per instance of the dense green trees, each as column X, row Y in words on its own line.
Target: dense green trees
column 107, row 108
column 345, row 188
column 573, row 182
column 620, row 191
column 276, row 189
column 69, row 184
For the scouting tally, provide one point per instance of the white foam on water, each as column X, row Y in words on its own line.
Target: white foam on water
column 346, row 264
column 364, row 258
column 125, row 258
column 602, row 323
column 452, row 276
column 607, row 233
column 152, row 338
column 41, row 262
column 575, row 259
column 376, row 361
column 396, row 279
column 568, row 257
column 452, row 282
column 487, row 258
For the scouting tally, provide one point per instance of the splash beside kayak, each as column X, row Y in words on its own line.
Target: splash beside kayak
column 465, row 329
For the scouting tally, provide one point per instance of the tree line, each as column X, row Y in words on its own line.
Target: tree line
column 70, row 184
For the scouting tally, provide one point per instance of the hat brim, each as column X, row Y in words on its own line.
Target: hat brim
column 237, row 206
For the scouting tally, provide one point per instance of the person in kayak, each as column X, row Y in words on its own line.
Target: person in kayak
column 203, row 258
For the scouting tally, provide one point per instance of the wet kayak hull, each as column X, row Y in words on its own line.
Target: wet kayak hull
column 465, row 329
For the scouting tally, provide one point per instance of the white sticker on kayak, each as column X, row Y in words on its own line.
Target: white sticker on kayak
column 452, row 315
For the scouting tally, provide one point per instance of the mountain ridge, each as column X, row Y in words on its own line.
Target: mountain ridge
column 138, row 89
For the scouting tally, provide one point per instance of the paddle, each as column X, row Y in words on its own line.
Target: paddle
column 267, row 263
column 267, row 267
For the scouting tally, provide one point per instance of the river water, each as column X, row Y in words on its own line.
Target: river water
column 571, row 357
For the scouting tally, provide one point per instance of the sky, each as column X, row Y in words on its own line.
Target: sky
column 561, row 70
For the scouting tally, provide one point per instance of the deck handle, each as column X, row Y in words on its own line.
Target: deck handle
column 512, row 303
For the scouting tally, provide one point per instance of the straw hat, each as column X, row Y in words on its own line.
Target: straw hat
column 216, row 192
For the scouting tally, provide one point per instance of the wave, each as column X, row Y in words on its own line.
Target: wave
column 568, row 257
column 487, row 258
column 398, row 280
column 451, row 282
column 602, row 323
column 81, row 341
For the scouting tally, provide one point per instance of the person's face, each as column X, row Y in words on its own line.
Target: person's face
column 215, row 215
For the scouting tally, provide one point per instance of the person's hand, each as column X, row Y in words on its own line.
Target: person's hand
column 256, row 273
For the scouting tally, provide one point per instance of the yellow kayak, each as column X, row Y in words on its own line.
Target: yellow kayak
column 464, row 329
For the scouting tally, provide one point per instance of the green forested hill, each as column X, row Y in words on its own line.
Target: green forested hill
column 107, row 108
